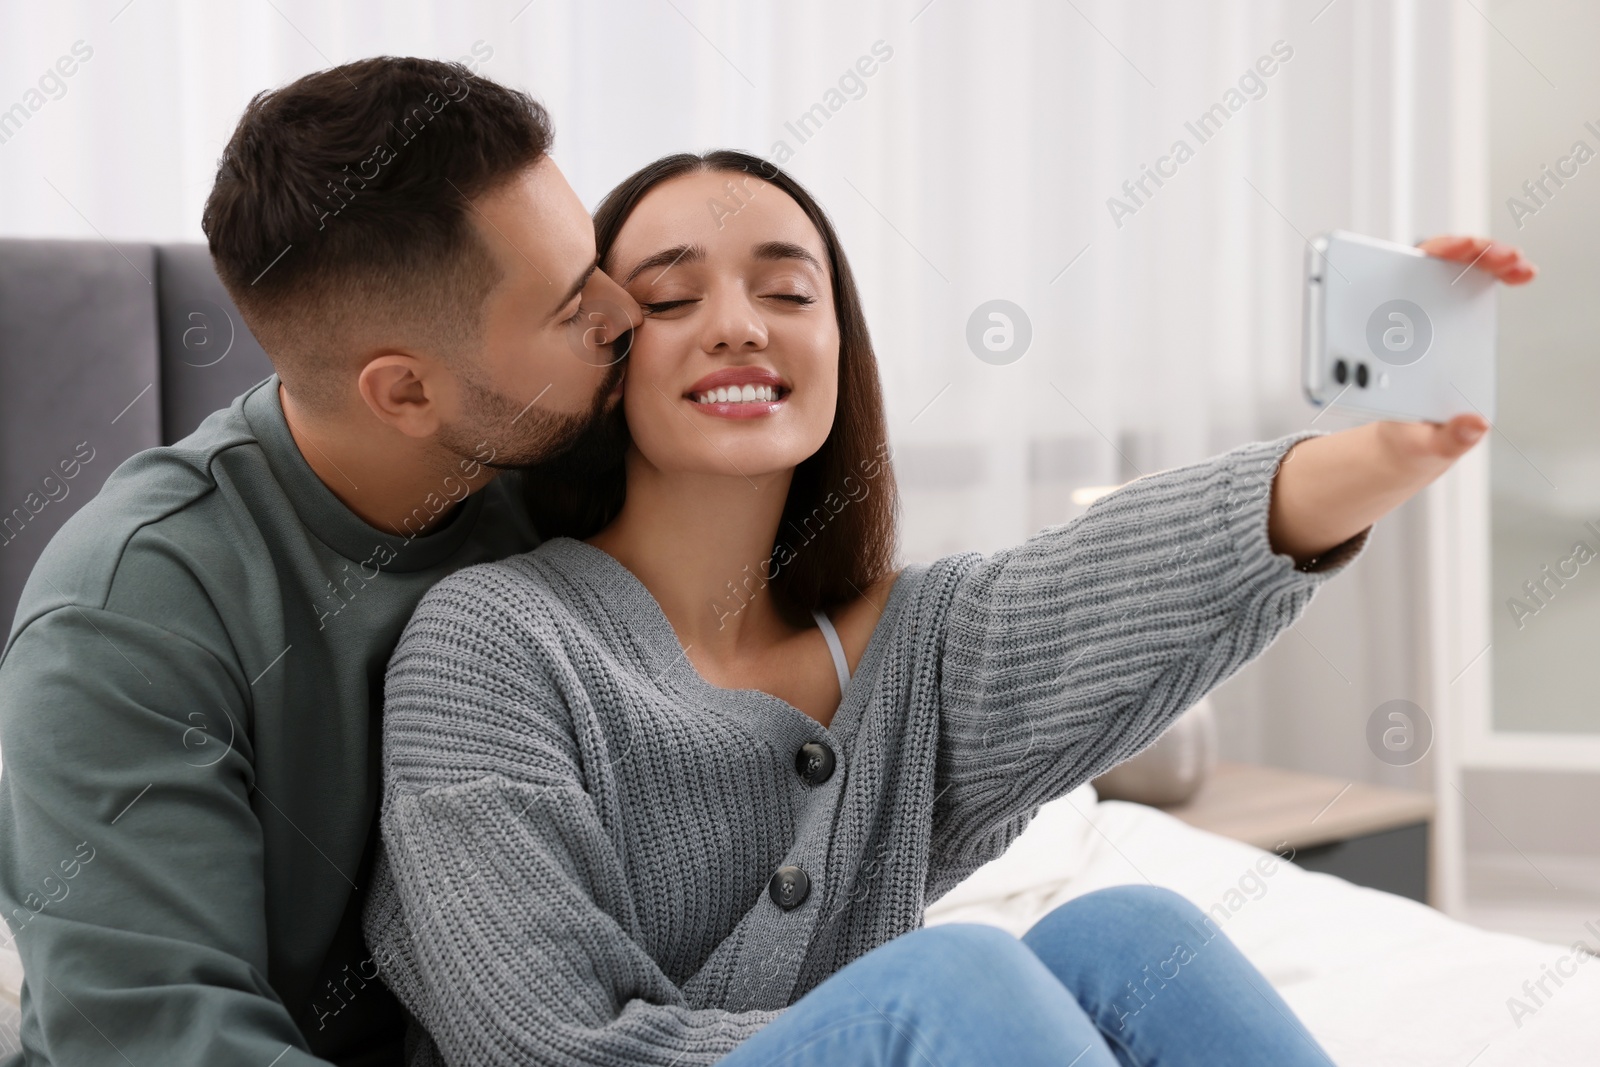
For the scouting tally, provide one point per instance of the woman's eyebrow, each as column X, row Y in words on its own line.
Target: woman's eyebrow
column 668, row 258
column 785, row 250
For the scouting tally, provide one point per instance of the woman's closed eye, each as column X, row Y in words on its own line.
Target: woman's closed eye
column 657, row 307
column 662, row 305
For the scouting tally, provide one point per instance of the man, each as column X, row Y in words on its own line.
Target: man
column 190, row 694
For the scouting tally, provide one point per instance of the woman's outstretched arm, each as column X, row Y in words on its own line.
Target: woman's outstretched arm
column 1071, row 652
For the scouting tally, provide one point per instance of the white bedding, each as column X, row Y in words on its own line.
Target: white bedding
column 1380, row 980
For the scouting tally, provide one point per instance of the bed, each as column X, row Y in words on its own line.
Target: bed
column 1378, row 979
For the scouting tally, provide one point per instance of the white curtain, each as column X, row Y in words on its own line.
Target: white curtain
column 976, row 162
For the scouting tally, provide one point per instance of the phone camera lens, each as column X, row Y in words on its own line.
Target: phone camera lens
column 1361, row 375
column 1341, row 373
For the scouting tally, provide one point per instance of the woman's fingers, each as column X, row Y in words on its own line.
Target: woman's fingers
column 1505, row 262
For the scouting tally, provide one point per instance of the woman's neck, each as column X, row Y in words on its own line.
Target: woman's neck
column 703, row 546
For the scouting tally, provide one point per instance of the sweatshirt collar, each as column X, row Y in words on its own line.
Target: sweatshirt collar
column 326, row 516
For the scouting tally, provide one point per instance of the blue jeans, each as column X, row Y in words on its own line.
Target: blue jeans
column 1130, row 975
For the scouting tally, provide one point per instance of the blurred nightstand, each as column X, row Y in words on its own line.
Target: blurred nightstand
column 1367, row 834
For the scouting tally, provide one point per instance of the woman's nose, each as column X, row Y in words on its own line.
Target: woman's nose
column 733, row 324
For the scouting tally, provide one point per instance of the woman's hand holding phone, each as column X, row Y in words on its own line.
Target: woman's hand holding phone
column 1330, row 488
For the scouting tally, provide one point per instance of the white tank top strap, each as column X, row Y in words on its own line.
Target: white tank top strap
column 841, row 666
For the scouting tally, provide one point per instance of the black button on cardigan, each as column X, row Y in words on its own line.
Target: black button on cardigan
column 789, row 887
column 814, row 762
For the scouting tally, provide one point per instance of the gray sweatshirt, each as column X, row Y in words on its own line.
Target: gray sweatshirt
column 591, row 855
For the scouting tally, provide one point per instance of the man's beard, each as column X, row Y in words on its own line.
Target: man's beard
column 501, row 433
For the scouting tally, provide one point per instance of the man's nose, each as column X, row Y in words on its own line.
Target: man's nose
column 618, row 305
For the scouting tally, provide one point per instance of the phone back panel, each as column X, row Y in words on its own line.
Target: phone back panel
column 1423, row 329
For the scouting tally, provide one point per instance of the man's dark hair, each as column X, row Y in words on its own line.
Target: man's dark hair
column 340, row 214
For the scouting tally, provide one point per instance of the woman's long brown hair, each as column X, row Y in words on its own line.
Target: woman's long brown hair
column 838, row 532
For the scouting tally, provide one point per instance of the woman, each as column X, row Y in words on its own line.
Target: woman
column 677, row 786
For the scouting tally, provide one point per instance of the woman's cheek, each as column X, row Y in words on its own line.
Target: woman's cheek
column 827, row 410
column 658, row 431
column 644, row 405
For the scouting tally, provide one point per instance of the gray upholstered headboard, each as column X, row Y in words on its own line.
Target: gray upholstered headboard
column 105, row 350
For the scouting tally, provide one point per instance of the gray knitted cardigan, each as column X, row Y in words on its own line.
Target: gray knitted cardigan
column 578, row 831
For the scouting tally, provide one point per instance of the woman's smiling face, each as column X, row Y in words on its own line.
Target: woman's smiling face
column 735, row 370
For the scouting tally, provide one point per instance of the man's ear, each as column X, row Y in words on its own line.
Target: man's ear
column 405, row 392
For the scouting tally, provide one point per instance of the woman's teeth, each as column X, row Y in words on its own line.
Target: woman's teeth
column 738, row 394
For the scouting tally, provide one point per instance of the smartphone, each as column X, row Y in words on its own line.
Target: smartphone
column 1392, row 332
